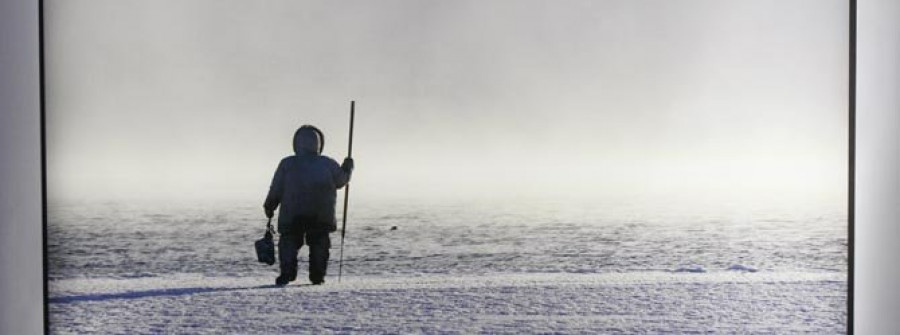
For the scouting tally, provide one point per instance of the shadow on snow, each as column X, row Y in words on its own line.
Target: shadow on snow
column 169, row 292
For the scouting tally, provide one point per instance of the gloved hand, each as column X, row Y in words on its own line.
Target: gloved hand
column 347, row 166
column 269, row 213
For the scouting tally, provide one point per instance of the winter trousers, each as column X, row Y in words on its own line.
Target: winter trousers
column 289, row 245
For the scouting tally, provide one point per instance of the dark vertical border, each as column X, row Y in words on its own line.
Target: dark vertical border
column 851, row 164
column 43, row 131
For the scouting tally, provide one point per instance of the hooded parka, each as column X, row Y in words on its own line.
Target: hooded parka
column 305, row 186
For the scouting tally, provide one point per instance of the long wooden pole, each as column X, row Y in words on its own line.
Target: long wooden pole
column 346, row 192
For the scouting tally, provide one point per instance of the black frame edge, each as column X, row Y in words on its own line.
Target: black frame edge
column 43, row 145
column 851, row 162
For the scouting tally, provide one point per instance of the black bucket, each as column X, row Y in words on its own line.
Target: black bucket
column 265, row 247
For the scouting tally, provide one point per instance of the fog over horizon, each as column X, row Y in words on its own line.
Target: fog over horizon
column 192, row 100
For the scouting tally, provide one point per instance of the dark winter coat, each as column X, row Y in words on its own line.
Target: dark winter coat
column 305, row 186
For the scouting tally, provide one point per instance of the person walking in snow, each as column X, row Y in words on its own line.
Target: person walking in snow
column 305, row 187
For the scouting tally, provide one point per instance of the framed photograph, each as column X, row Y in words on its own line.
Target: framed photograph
column 448, row 166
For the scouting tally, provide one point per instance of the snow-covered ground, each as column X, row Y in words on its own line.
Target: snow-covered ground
column 629, row 303
column 454, row 268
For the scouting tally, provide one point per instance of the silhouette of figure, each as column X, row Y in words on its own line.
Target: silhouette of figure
column 305, row 186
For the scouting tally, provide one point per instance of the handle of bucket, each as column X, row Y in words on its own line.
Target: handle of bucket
column 269, row 226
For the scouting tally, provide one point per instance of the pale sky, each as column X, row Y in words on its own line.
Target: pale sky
column 200, row 99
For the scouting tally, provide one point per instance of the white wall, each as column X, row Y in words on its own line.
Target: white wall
column 877, row 308
column 21, row 305
column 877, row 259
